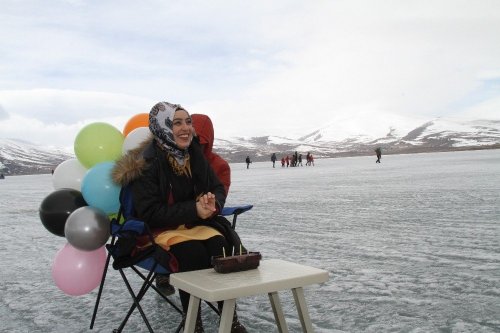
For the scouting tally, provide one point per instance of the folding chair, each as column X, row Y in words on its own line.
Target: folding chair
column 125, row 229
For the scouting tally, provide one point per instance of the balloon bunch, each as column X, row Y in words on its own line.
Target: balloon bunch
column 84, row 196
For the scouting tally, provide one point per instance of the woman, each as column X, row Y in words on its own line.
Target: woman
column 176, row 192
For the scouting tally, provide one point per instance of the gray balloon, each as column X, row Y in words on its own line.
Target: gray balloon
column 87, row 228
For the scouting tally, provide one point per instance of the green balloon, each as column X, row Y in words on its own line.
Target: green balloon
column 98, row 142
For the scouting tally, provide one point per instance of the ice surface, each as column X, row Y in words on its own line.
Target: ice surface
column 411, row 244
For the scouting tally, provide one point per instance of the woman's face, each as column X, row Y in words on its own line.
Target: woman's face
column 182, row 129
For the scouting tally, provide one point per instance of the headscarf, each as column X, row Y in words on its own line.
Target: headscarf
column 161, row 125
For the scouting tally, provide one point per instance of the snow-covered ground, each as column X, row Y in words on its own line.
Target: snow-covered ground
column 411, row 244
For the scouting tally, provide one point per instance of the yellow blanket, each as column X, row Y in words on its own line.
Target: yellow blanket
column 171, row 237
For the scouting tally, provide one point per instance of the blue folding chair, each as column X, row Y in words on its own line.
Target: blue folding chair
column 125, row 229
column 235, row 211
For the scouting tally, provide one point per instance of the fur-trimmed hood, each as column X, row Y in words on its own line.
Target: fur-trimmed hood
column 130, row 166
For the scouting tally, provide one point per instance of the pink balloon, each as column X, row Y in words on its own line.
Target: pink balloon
column 78, row 272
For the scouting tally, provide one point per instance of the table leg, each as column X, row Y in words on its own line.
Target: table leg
column 300, row 303
column 226, row 318
column 278, row 312
column 192, row 313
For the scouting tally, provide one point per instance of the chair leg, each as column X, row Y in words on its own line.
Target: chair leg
column 216, row 310
column 157, row 290
column 148, row 282
column 136, row 299
column 181, row 325
column 233, row 225
column 100, row 291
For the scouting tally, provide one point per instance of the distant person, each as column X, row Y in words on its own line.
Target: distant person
column 283, row 162
column 2, row 176
column 310, row 159
column 52, row 171
column 248, row 161
column 378, row 151
column 287, row 160
column 273, row 158
column 300, row 160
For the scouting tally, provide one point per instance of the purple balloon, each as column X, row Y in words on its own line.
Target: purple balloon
column 78, row 272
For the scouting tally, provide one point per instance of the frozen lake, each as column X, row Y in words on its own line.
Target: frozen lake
column 411, row 244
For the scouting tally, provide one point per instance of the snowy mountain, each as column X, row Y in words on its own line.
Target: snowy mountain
column 334, row 140
column 331, row 140
column 18, row 157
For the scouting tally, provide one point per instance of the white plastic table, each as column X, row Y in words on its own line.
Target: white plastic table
column 270, row 277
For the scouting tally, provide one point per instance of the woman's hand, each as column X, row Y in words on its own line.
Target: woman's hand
column 205, row 205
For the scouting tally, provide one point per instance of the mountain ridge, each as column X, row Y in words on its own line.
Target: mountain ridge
column 19, row 157
column 440, row 134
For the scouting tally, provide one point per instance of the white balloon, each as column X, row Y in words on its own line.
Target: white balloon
column 135, row 138
column 69, row 174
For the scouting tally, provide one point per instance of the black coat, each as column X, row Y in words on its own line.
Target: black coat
column 158, row 182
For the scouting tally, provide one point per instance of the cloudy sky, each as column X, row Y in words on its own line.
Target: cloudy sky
column 256, row 67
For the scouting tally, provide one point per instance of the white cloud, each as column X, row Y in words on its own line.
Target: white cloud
column 277, row 68
column 54, row 117
column 489, row 109
column 52, row 106
column 3, row 113
column 35, row 131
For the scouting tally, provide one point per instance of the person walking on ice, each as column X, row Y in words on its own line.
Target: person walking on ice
column 378, row 151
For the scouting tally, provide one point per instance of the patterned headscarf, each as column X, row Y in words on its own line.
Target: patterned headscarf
column 161, row 125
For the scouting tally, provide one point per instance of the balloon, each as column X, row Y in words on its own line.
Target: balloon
column 139, row 120
column 69, row 174
column 99, row 190
column 57, row 206
column 78, row 272
column 87, row 228
column 98, row 142
column 135, row 138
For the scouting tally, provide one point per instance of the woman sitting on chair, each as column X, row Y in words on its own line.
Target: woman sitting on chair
column 176, row 192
